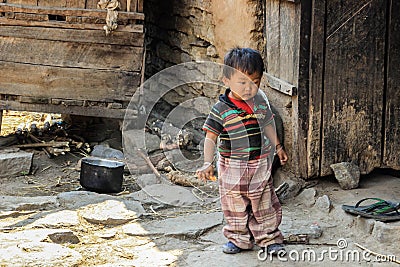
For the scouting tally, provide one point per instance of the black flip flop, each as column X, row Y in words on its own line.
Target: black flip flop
column 381, row 210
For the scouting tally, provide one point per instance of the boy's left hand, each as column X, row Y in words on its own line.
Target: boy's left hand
column 282, row 156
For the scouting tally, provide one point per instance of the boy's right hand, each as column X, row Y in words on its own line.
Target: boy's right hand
column 206, row 172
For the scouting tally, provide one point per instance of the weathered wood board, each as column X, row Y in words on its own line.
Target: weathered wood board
column 55, row 57
column 62, row 11
column 94, row 111
column 316, row 88
column 132, row 39
column 68, row 83
column 71, row 54
column 282, row 34
column 353, row 85
column 391, row 155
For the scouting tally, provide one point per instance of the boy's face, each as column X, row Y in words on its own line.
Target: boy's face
column 243, row 86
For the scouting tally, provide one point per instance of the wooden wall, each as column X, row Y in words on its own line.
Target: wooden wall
column 56, row 57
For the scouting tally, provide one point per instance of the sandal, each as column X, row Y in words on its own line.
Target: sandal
column 230, row 248
column 381, row 210
column 275, row 249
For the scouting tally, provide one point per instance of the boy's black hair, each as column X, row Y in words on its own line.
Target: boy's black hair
column 246, row 60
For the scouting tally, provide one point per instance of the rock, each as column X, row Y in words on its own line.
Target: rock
column 212, row 51
column 387, row 232
column 147, row 179
column 307, row 197
column 145, row 198
column 152, row 142
column 323, row 204
column 27, row 203
column 366, row 226
column 64, row 237
column 13, row 214
column 108, row 234
column 295, row 184
column 347, row 174
column 103, row 151
column 192, row 225
column 16, row 163
column 28, row 236
column 111, row 212
column 169, row 194
column 77, row 199
column 214, row 236
column 63, row 218
column 39, row 254
column 315, row 231
column 302, row 227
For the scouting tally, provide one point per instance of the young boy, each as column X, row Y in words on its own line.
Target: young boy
column 244, row 123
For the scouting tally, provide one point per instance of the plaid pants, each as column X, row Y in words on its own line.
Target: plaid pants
column 249, row 202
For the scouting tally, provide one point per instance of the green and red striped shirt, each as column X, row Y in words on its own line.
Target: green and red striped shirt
column 240, row 132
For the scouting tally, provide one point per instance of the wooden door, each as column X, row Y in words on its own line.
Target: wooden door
column 391, row 151
column 347, row 84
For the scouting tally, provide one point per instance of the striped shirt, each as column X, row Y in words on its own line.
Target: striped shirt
column 240, row 133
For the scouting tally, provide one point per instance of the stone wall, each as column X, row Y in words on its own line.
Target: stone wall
column 180, row 31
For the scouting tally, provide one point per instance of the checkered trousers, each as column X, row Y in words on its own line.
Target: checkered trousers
column 249, row 202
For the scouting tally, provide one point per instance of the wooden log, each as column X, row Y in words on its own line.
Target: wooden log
column 73, row 55
column 75, row 3
column 133, row 6
column 34, row 99
column 29, row 17
column 140, row 6
column 1, row 118
column 23, row 2
column 149, row 163
column 67, row 102
column 71, row 35
column 46, row 150
column 44, row 144
column 52, row 3
column 67, row 11
column 273, row 37
column 61, row 82
column 184, row 179
column 91, row 4
column 315, row 108
column 8, row 141
column 92, row 111
column 281, row 86
column 289, row 27
column 78, row 26
column 122, row 6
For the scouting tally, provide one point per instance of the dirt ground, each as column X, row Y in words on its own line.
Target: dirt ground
column 61, row 174
column 51, row 176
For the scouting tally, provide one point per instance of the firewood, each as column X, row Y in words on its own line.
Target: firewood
column 46, row 144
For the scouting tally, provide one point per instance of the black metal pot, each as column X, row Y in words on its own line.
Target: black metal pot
column 101, row 175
